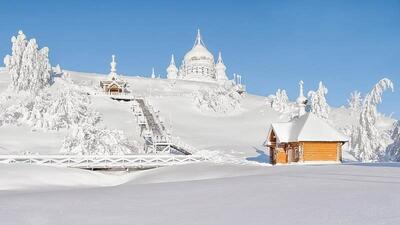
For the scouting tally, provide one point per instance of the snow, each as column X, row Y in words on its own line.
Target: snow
column 307, row 128
column 282, row 131
column 237, row 190
column 359, row 194
column 223, row 100
column 19, row 139
column 240, row 133
column 39, row 178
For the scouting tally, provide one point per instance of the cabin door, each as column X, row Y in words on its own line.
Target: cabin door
column 290, row 155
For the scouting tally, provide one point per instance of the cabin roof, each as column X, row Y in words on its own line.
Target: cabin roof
column 307, row 128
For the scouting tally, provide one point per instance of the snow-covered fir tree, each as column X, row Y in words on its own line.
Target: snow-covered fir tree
column 28, row 65
column 355, row 102
column 280, row 101
column 367, row 142
column 393, row 150
column 318, row 103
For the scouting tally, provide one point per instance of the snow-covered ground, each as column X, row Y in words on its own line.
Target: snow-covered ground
column 242, row 189
column 206, row 193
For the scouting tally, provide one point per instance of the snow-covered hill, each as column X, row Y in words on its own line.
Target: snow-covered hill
column 239, row 134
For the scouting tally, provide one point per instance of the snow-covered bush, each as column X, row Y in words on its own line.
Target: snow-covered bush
column 393, row 150
column 355, row 102
column 280, row 101
column 28, row 65
column 318, row 103
column 222, row 99
column 51, row 111
column 87, row 139
column 10, row 115
column 367, row 142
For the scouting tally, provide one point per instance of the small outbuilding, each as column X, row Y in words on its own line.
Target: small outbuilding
column 305, row 139
column 113, row 84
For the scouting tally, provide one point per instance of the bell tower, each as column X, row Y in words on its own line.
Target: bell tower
column 220, row 69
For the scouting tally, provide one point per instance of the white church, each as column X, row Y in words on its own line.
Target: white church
column 199, row 65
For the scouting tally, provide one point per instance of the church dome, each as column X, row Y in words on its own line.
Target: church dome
column 198, row 52
column 198, row 64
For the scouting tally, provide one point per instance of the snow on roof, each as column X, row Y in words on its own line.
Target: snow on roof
column 307, row 128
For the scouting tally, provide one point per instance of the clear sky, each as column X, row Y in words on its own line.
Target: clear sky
column 349, row 45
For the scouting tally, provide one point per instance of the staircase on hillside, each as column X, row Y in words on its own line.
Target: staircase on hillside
column 156, row 137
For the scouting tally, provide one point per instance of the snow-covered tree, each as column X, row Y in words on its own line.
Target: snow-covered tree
column 280, row 101
column 318, row 103
column 355, row 102
column 367, row 141
column 223, row 99
column 393, row 150
column 51, row 111
column 28, row 65
column 13, row 62
column 87, row 139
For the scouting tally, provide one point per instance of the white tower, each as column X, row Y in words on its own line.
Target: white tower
column 113, row 73
column 172, row 71
column 220, row 69
column 301, row 100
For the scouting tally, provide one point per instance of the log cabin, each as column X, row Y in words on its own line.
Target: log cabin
column 305, row 139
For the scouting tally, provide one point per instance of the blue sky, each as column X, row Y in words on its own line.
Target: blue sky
column 349, row 45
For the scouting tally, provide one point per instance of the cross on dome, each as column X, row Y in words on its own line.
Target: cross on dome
column 301, row 100
column 113, row 70
column 172, row 60
column 220, row 58
column 198, row 41
column 113, row 65
column 301, row 97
